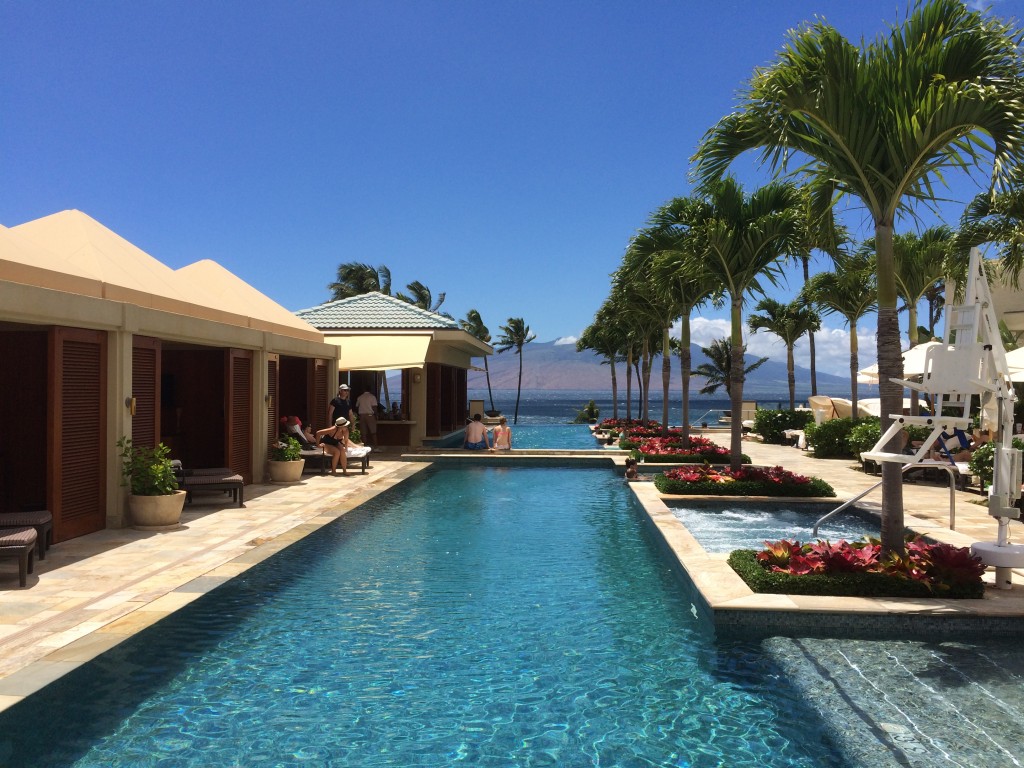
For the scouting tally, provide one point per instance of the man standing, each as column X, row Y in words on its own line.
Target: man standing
column 366, row 407
column 339, row 407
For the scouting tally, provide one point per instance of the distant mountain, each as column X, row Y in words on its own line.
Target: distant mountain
column 547, row 365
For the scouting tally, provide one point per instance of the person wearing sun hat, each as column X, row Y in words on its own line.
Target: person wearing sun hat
column 339, row 407
column 334, row 439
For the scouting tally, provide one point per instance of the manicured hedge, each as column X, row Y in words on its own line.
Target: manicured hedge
column 770, row 424
column 745, row 563
column 814, row 487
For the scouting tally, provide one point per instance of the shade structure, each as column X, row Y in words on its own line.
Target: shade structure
column 913, row 363
column 872, row 406
column 1015, row 359
column 380, row 352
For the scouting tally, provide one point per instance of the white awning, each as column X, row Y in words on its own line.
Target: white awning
column 381, row 352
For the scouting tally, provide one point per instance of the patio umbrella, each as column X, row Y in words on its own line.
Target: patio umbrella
column 913, row 363
column 1015, row 359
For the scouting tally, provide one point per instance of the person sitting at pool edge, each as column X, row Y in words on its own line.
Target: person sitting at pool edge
column 477, row 438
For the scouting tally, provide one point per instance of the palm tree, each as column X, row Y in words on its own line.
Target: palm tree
column 717, row 371
column 848, row 291
column 677, row 271
column 355, row 279
column 998, row 218
column 421, row 297
column 790, row 322
column 474, row 326
column 883, row 121
column 516, row 335
column 740, row 240
column 605, row 336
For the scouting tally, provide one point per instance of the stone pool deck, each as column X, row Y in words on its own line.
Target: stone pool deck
column 93, row 592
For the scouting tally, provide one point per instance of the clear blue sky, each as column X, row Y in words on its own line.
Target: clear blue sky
column 500, row 152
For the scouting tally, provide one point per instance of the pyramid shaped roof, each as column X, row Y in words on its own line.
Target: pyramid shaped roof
column 374, row 311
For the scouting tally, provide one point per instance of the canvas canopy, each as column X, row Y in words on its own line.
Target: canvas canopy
column 381, row 352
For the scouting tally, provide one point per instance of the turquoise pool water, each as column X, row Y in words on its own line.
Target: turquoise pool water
column 727, row 525
column 478, row 617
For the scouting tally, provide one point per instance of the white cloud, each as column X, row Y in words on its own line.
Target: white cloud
column 831, row 344
column 565, row 340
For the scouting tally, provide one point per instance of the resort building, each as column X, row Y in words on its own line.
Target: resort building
column 100, row 341
column 375, row 334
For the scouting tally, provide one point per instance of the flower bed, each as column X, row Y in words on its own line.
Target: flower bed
column 858, row 569
column 669, row 450
column 748, row 481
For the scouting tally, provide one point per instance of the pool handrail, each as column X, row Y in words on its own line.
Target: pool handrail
column 950, row 470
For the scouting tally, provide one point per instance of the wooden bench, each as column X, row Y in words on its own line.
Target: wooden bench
column 210, row 479
column 19, row 543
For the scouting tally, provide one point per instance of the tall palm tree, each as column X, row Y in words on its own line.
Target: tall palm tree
column 605, row 336
column 474, row 326
column 516, row 335
column 998, row 218
column 678, row 271
column 790, row 322
column 848, row 291
column 740, row 239
column 717, row 371
column 919, row 263
column 883, row 121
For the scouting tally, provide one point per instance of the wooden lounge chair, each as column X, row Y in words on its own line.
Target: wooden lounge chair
column 19, row 543
column 318, row 460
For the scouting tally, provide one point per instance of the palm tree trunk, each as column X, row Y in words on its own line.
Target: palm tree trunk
column 615, row 390
column 487, row 373
column 519, row 386
column 646, row 369
column 912, row 335
column 666, row 378
column 685, row 365
column 791, row 377
column 854, row 366
column 736, row 386
column 890, row 365
column 810, row 336
column 629, row 384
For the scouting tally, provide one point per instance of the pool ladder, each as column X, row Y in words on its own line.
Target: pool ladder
column 906, row 468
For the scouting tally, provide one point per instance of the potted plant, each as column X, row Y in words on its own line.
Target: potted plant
column 286, row 462
column 154, row 500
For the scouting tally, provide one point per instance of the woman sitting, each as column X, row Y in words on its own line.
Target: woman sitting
column 335, row 442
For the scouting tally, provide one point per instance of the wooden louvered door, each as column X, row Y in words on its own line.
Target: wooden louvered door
column 146, row 391
column 321, row 391
column 238, row 409
column 274, row 392
column 76, row 441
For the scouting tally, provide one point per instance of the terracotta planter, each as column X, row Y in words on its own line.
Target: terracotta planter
column 286, row 471
column 156, row 513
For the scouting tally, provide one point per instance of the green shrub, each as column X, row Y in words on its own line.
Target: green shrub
column 770, row 424
column 744, row 562
column 982, row 460
column 287, row 449
column 831, row 438
column 864, row 435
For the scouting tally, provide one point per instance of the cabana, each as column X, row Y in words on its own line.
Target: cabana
column 101, row 340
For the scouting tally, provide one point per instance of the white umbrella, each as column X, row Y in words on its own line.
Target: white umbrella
column 1015, row 359
column 913, row 363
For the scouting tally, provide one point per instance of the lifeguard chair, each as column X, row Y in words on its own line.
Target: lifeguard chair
column 972, row 361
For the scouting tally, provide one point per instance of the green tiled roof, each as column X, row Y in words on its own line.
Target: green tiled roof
column 373, row 310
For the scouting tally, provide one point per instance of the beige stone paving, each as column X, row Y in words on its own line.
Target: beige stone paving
column 93, row 592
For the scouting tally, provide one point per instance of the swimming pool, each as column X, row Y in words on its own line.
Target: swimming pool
column 479, row 617
column 727, row 524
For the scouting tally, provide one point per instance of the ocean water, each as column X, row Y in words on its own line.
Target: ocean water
column 537, row 406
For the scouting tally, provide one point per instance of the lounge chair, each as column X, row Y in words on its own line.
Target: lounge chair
column 210, row 479
column 318, row 460
column 19, row 543
column 41, row 520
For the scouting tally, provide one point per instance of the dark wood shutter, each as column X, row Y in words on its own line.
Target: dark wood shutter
column 321, row 393
column 76, row 442
column 146, row 391
column 239, row 431
column 274, row 392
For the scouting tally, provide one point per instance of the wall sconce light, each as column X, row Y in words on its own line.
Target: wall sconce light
column 268, row 399
column 129, row 403
column 417, row 378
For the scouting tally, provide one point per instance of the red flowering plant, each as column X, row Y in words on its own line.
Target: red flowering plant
column 852, row 568
column 747, row 481
column 666, row 450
